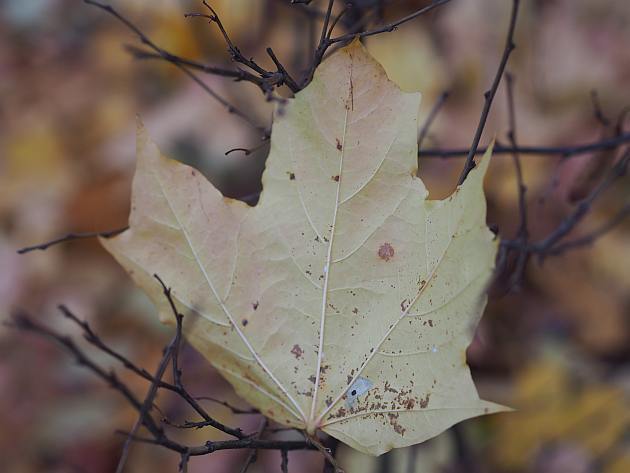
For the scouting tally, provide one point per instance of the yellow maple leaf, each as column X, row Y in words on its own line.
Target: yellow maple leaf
column 345, row 300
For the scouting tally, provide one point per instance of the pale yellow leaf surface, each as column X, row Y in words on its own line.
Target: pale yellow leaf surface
column 344, row 278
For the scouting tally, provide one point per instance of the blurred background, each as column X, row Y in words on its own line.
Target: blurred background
column 556, row 347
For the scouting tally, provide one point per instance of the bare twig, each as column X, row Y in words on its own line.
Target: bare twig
column 71, row 237
column 582, row 208
column 522, row 234
column 252, row 456
column 489, row 95
column 424, row 130
column 598, row 112
column 92, row 338
column 590, row 238
column 178, row 62
column 286, row 77
column 548, row 245
column 234, row 409
column 328, row 454
column 147, row 404
column 566, row 151
column 390, row 26
column 266, row 80
column 322, row 46
column 158, row 437
column 284, row 461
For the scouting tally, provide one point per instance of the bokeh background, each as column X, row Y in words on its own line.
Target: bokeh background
column 557, row 347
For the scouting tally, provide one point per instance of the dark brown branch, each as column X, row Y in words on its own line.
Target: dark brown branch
column 567, row 225
column 284, row 461
column 91, row 337
column 286, row 77
column 549, row 245
column 169, row 58
column 522, row 234
column 424, row 130
column 489, row 95
column 234, row 409
column 592, row 237
column 147, row 404
column 71, row 237
column 565, row 151
column 390, row 26
column 252, row 456
column 158, row 436
column 236, row 74
column 266, row 80
column 235, row 52
column 322, row 46
column 598, row 112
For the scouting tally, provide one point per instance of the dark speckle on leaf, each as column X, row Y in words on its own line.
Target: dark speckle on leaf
column 386, row 251
column 297, row 351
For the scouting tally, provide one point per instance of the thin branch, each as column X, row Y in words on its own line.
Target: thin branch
column 566, row 151
column 147, row 404
column 582, row 208
column 183, row 462
column 91, row 337
column 390, row 26
column 590, row 238
column 522, row 234
column 548, row 245
column 284, row 461
column 598, row 112
column 236, row 74
column 437, row 106
column 71, row 237
column 158, row 436
column 252, row 456
column 322, row 46
column 287, row 79
column 234, row 409
column 328, row 454
column 489, row 95
column 235, row 52
column 170, row 58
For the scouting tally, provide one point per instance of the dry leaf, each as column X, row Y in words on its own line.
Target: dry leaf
column 342, row 252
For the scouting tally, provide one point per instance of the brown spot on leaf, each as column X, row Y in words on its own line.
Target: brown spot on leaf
column 193, row 173
column 425, row 402
column 386, row 252
column 292, row 176
column 245, row 322
column 312, row 379
column 393, row 420
column 355, row 311
column 335, row 178
column 297, row 351
column 339, row 147
column 255, row 305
